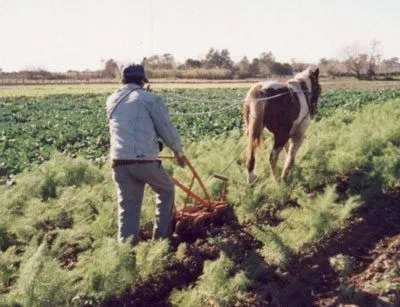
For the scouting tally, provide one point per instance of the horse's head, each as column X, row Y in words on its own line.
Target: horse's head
column 315, row 86
column 310, row 76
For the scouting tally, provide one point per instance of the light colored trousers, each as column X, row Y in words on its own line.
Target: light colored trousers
column 130, row 181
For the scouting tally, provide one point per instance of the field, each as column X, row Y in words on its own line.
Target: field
column 328, row 235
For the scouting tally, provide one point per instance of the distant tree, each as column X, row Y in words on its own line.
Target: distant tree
column 391, row 65
column 216, row 59
column 191, row 63
column 333, row 68
column 167, row 61
column 111, row 69
column 164, row 61
column 323, row 62
column 357, row 64
column 355, row 59
column 243, row 68
column 151, row 62
column 281, row 69
column 374, row 58
column 254, row 68
column 226, row 59
column 360, row 60
column 266, row 60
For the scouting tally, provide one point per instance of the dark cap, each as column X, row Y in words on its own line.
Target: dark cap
column 135, row 71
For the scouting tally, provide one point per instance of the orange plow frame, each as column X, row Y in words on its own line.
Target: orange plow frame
column 193, row 219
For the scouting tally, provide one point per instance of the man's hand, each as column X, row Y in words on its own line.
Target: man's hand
column 181, row 160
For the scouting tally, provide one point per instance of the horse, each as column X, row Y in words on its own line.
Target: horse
column 285, row 109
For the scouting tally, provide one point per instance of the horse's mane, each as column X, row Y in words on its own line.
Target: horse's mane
column 304, row 74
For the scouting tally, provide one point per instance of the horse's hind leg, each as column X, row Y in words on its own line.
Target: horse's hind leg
column 280, row 141
column 250, row 163
column 293, row 148
column 286, row 148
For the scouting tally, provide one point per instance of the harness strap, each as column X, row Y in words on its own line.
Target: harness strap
column 304, row 89
column 110, row 112
column 310, row 104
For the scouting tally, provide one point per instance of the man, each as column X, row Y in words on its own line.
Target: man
column 136, row 119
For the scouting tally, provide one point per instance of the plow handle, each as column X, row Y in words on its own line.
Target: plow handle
column 195, row 176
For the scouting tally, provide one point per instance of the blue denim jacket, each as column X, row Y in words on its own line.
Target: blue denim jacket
column 136, row 122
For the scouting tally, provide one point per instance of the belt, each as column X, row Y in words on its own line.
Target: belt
column 115, row 163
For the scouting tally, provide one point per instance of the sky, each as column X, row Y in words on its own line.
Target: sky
column 59, row 35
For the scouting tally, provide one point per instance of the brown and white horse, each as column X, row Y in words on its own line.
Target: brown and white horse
column 285, row 109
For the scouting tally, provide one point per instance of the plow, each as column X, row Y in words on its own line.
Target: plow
column 194, row 218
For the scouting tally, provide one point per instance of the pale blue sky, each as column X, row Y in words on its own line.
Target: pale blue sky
column 75, row 34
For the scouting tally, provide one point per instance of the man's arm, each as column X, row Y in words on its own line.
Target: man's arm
column 163, row 125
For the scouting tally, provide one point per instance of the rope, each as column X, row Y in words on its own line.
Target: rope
column 229, row 164
column 194, row 99
column 226, row 101
column 232, row 105
column 207, row 112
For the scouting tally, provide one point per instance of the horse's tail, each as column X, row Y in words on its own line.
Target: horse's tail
column 253, row 113
column 246, row 112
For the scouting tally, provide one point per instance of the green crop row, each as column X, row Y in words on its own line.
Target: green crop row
column 58, row 222
column 31, row 128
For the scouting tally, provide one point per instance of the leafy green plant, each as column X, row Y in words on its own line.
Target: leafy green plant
column 181, row 251
column 220, row 284
column 110, row 269
column 152, row 257
column 32, row 128
column 41, row 281
column 304, row 225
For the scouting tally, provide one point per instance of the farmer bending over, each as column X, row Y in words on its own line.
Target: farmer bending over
column 137, row 118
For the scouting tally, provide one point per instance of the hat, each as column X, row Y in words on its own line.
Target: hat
column 135, row 71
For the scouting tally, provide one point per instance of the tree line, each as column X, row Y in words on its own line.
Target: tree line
column 217, row 64
column 362, row 62
column 356, row 60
